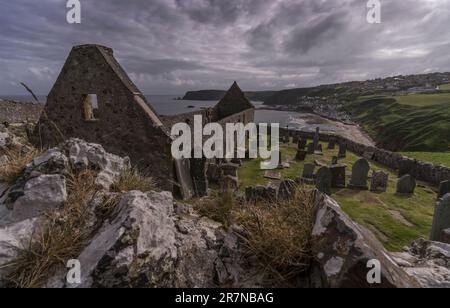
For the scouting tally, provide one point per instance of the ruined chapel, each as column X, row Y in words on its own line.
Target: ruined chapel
column 94, row 99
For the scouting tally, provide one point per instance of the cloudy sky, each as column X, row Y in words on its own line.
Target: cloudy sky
column 170, row 46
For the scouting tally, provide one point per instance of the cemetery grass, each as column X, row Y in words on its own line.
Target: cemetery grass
column 405, row 123
column 437, row 158
column 395, row 220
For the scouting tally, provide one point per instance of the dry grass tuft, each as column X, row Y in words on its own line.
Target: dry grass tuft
column 219, row 208
column 277, row 233
column 131, row 179
column 61, row 238
column 17, row 160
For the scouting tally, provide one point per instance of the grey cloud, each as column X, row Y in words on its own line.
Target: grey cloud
column 171, row 46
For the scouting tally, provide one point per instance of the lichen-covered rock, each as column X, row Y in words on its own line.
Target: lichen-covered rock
column 13, row 238
column 342, row 250
column 428, row 262
column 83, row 155
column 40, row 194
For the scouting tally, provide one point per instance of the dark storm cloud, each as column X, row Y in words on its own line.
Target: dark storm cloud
column 170, row 46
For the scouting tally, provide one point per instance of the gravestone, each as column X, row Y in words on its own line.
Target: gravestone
column 331, row 144
column 338, row 176
column 280, row 160
column 444, row 189
column 213, row 173
column 229, row 184
column 323, row 180
column 360, row 173
column 287, row 189
column 319, row 150
column 310, row 149
column 406, row 185
column 334, row 160
column 229, row 169
column 316, row 138
column 271, row 192
column 198, row 167
column 302, row 144
column 342, row 150
column 301, row 155
column 308, row 173
column 441, row 220
column 379, row 182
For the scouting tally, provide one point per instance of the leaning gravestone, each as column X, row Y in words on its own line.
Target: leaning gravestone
column 441, row 220
column 338, row 176
column 406, row 185
column 342, row 150
column 310, row 148
column 379, row 182
column 308, row 173
column 319, row 150
column 360, row 173
column 444, row 189
column 323, row 180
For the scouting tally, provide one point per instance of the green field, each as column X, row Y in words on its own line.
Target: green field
column 435, row 158
column 405, row 123
column 445, row 87
column 395, row 220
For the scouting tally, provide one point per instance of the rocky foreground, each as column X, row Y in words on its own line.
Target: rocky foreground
column 149, row 239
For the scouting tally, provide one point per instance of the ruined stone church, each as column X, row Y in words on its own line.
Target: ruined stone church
column 95, row 100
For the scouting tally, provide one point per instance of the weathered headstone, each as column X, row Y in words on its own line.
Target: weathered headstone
column 444, row 189
column 406, row 166
column 302, row 144
column 287, row 189
column 271, row 192
column 229, row 184
column 323, row 180
column 379, row 182
column 338, row 176
column 316, row 138
column 308, row 173
column 406, row 185
column 229, row 169
column 332, row 144
column 301, row 155
column 342, row 150
column 334, row 160
column 441, row 220
column 310, row 149
column 360, row 173
column 319, row 150
column 213, row 173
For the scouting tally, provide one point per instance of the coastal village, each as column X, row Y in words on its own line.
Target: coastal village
column 92, row 178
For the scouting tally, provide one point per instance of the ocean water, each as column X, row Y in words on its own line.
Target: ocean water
column 169, row 105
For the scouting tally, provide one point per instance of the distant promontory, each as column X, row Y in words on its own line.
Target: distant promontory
column 215, row 95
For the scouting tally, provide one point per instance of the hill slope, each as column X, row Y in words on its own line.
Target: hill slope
column 406, row 123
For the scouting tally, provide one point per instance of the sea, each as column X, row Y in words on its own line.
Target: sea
column 171, row 105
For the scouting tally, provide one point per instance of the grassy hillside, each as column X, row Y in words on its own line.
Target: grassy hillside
column 406, row 123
